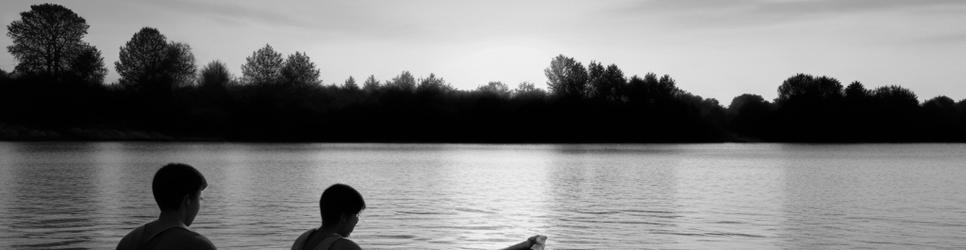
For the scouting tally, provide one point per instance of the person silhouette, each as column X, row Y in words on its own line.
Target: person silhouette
column 177, row 189
column 340, row 206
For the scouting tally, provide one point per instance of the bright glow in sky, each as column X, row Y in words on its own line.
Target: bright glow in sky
column 717, row 49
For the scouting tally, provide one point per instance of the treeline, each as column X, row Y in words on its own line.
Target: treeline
column 57, row 92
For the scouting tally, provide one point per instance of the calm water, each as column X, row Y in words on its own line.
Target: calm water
column 443, row 196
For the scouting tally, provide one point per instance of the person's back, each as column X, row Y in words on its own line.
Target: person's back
column 315, row 239
column 177, row 190
column 156, row 236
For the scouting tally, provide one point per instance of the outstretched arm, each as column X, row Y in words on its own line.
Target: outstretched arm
column 525, row 245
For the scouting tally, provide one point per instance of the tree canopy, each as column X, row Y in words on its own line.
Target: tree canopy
column 371, row 84
column 214, row 75
column 48, row 41
column 88, row 67
column 264, row 66
column 350, row 84
column 566, row 77
column 148, row 62
column 404, row 82
column 299, row 70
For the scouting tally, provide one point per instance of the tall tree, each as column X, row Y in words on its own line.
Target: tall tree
column 263, row 67
column 149, row 63
column 566, row 77
column 179, row 64
column 47, row 40
column 595, row 78
column 299, row 70
column 612, row 83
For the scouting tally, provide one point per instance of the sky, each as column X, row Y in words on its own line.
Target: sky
column 713, row 48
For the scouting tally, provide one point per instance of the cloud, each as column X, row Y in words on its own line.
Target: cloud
column 234, row 11
column 956, row 39
column 751, row 13
column 337, row 19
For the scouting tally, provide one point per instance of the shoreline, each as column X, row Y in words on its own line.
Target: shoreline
column 10, row 133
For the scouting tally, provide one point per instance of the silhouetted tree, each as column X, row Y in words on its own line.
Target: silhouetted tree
column 940, row 104
column 404, row 82
column 896, row 97
column 299, row 70
column 433, row 85
column 47, row 39
column 897, row 114
column 668, row 86
column 750, row 115
column 605, row 83
column 350, row 84
column 856, row 92
column 943, row 120
column 601, row 105
column 610, row 86
column 141, row 58
column 149, row 63
column 88, row 67
column 651, row 91
column 263, row 67
column 747, row 102
column 858, row 115
column 566, row 77
column 497, row 89
column 527, row 90
column 810, row 108
column 809, row 89
column 595, row 77
column 215, row 75
column 371, row 84
column 179, row 64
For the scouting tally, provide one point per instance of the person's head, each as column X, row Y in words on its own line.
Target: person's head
column 340, row 206
column 177, row 187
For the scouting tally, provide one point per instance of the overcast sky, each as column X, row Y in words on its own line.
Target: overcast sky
column 713, row 48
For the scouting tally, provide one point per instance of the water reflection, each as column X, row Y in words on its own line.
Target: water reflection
column 443, row 196
column 52, row 179
column 886, row 196
column 727, row 197
column 621, row 199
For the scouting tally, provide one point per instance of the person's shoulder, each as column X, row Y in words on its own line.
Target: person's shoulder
column 300, row 241
column 186, row 239
column 131, row 239
column 345, row 244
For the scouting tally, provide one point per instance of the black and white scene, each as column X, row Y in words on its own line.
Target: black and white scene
column 483, row 124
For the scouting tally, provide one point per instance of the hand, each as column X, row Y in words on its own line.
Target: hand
column 525, row 245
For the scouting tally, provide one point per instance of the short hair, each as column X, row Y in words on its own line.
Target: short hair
column 337, row 200
column 173, row 181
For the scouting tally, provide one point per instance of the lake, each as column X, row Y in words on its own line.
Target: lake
column 466, row 196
